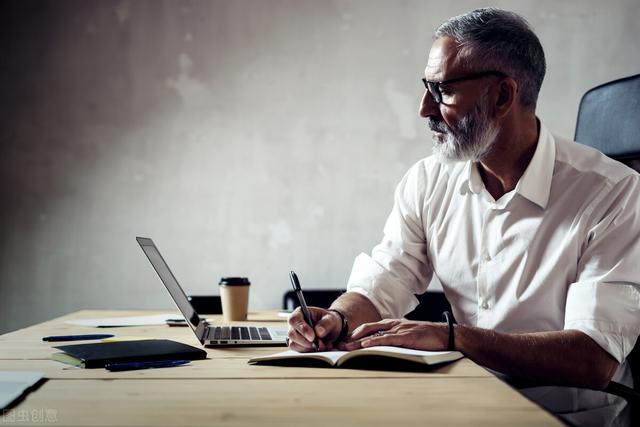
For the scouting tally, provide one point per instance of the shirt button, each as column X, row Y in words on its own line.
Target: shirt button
column 484, row 305
column 486, row 257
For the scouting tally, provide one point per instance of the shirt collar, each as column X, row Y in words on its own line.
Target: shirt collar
column 535, row 182
column 471, row 179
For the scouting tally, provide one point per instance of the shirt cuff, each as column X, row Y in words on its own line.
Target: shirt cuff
column 613, row 343
column 609, row 313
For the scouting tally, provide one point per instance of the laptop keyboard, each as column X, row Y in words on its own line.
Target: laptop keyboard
column 238, row 333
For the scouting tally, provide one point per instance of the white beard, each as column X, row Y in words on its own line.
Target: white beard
column 472, row 138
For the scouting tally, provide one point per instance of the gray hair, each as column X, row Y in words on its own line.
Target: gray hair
column 503, row 41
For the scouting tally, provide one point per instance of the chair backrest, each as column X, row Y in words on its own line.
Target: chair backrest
column 430, row 307
column 608, row 118
column 314, row 297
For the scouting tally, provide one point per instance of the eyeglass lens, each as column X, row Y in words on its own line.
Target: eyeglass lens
column 434, row 90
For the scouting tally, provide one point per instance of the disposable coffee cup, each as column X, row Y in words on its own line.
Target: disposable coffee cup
column 234, row 294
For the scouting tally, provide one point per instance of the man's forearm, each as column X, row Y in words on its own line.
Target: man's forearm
column 561, row 357
column 557, row 357
column 357, row 308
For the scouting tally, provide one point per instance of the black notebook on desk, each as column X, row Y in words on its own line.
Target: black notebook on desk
column 98, row 354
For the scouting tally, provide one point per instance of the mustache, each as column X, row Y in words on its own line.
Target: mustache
column 437, row 125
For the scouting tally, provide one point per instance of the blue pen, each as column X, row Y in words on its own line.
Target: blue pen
column 77, row 337
column 130, row 366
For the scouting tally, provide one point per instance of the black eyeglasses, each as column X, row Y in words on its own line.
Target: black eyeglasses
column 434, row 87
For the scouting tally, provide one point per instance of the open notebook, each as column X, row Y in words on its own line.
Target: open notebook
column 338, row 358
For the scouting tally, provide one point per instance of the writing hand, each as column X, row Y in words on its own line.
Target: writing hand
column 301, row 336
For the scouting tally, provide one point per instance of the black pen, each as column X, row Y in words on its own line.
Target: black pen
column 303, row 305
column 77, row 337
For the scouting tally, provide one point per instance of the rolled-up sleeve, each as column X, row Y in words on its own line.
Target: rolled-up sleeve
column 398, row 267
column 604, row 302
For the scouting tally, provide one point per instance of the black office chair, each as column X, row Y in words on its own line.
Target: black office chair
column 314, row 297
column 430, row 307
column 609, row 120
column 206, row 304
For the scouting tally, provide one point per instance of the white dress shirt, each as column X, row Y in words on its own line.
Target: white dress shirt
column 560, row 251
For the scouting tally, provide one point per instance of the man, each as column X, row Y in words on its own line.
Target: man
column 535, row 239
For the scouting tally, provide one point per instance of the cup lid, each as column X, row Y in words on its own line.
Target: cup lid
column 234, row 281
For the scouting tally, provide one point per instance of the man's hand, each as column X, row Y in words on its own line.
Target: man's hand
column 399, row 333
column 327, row 328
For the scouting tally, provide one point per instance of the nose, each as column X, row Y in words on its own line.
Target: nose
column 428, row 107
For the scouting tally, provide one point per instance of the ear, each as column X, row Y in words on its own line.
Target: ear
column 507, row 96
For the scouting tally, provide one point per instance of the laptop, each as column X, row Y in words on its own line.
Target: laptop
column 210, row 335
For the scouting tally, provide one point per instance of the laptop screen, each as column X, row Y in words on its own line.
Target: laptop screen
column 169, row 281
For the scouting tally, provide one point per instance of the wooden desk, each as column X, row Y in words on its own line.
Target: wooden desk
column 225, row 390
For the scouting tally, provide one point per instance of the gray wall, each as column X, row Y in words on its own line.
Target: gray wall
column 245, row 137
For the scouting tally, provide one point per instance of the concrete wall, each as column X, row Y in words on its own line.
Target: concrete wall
column 245, row 137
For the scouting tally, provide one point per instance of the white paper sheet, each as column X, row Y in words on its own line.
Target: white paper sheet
column 14, row 383
column 107, row 322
